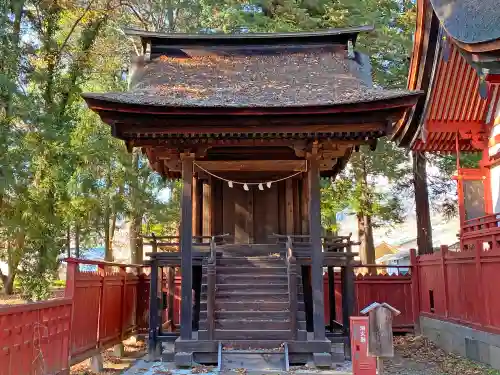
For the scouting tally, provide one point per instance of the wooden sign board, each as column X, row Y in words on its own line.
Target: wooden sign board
column 380, row 342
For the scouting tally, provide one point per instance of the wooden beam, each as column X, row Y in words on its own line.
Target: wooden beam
column 253, row 165
column 215, row 128
column 176, row 143
column 316, row 251
column 186, row 247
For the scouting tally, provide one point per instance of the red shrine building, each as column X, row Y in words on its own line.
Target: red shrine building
column 456, row 62
column 250, row 123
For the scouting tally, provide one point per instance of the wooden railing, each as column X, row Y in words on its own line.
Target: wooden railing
column 292, row 286
column 482, row 233
column 211, row 282
column 481, row 224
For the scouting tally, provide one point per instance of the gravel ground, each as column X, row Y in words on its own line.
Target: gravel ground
column 113, row 365
column 416, row 355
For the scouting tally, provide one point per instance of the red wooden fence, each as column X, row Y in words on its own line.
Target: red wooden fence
column 397, row 290
column 100, row 308
column 462, row 286
column 34, row 338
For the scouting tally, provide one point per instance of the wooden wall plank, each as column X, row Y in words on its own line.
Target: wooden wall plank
column 289, row 206
column 228, row 209
column 207, row 209
column 281, row 186
column 304, row 200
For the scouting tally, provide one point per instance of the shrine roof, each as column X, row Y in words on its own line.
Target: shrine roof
column 469, row 21
column 249, row 71
column 319, row 77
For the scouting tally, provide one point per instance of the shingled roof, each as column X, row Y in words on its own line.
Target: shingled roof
column 469, row 21
column 262, row 78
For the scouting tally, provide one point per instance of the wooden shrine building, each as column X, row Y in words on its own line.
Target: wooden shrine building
column 250, row 123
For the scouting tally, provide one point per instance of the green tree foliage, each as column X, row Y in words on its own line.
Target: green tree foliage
column 66, row 183
column 63, row 179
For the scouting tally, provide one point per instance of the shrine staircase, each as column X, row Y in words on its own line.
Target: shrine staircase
column 251, row 298
column 252, row 312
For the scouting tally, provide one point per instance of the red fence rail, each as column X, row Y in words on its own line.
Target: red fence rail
column 101, row 307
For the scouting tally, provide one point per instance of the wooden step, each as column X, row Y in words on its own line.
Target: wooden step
column 250, row 261
column 222, row 334
column 238, row 324
column 252, row 279
column 251, row 296
column 242, row 288
column 251, row 315
column 251, row 306
column 242, row 270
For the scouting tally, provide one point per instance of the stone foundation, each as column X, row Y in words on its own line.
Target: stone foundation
column 477, row 345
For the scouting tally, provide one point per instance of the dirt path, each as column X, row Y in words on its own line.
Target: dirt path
column 415, row 355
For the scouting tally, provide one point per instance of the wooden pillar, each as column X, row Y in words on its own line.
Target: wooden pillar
column 195, row 207
column 206, row 212
column 316, row 248
column 348, row 298
column 154, row 324
column 186, row 247
column 331, row 299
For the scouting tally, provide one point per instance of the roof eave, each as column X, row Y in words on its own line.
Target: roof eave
column 419, row 77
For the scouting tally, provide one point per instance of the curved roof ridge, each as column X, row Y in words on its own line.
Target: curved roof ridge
column 248, row 36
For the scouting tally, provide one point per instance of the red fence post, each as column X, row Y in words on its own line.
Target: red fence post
column 484, row 312
column 415, row 290
column 100, row 326
column 123, row 277
column 71, row 270
column 444, row 252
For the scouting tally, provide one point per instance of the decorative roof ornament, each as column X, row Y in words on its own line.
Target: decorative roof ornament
column 350, row 50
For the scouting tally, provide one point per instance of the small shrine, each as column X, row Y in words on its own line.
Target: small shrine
column 250, row 123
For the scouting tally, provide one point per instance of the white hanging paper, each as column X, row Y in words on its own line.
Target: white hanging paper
column 261, row 187
column 268, row 184
column 245, row 186
column 230, row 183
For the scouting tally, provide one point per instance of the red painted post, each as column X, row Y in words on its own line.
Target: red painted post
column 362, row 364
column 102, row 273
column 444, row 252
column 71, row 270
column 415, row 289
column 484, row 312
column 123, row 276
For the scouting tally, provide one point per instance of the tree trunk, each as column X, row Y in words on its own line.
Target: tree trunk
column 8, row 283
column 68, row 241
column 135, row 240
column 77, row 240
column 365, row 226
column 424, row 228
column 108, row 250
